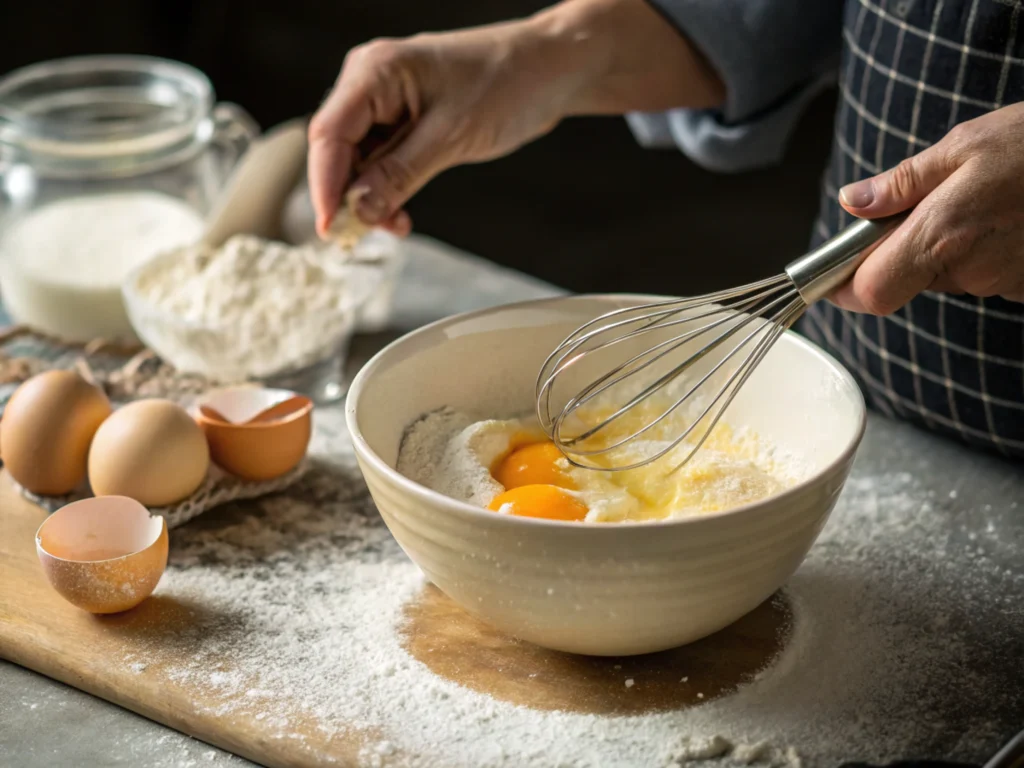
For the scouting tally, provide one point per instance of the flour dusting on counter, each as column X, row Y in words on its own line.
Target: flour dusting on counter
column 895, row 650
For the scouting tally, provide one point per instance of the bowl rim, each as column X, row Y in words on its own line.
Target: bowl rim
column 364, row 450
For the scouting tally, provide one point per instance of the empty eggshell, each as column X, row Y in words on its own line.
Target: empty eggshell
column 239, row 405
column 256, row 434
column 103, row 554
column 151, row 451
column 46, row 430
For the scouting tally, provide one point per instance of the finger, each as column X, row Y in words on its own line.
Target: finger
column 945, row 283
column 400, row 224
column 909, row 261
column 993, row 263
column 333, row 134
column 328, row 167
column 847, row 298
column 340, row 123
column 901, row 187
column 388, row 183
column 1016, row 293
column 362, row 96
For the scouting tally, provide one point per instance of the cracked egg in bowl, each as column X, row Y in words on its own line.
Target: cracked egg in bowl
column 580, row 560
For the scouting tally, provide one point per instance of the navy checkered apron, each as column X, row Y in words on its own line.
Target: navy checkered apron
column 911, row 70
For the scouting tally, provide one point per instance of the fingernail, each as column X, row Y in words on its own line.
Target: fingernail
column 370, row 207
column 860, row 194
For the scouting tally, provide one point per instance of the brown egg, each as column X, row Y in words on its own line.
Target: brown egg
column 46, row 430
column 104, row 555
column 151, row 451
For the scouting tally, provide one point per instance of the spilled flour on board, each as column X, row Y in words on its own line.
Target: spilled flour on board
column 296, row 605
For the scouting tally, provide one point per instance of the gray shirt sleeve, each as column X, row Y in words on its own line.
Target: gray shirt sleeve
column 773, row 56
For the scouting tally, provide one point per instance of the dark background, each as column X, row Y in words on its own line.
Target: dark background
column 584, row 207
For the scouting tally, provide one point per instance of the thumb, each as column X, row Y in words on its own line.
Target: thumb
column 899, row 188
column 388, row 182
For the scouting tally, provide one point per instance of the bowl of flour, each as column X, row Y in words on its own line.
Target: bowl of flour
column 252, row 309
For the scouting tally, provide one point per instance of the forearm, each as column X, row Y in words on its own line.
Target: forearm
column 624, row 57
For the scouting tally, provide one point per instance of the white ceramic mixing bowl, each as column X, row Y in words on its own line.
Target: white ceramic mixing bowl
column 603, row 589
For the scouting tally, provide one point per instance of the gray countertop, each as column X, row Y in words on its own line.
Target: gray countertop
column 44, row 723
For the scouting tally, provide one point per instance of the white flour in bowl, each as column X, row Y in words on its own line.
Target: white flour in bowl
column 905, row 615
column 436, row 453
column 251, row 308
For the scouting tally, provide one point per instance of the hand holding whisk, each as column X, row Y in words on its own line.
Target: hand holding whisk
column 628, row 356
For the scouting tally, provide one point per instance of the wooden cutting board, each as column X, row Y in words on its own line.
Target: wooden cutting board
column 42, row 632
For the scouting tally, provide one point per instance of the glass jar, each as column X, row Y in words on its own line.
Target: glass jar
column 105, row 161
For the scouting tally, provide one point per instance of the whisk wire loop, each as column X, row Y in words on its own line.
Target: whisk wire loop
column 575, row 342
column 775, row 329
column 674, row 342
column 714, row 321
column 748, row 368
column 656, row 321
column 594, row 390
column 677, row 304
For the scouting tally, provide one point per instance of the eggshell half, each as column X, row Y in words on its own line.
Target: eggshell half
column 104, row 554
column 238, row 405
column 271, row 441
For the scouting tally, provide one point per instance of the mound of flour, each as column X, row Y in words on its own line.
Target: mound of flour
column 439, row 452
column 273, row 306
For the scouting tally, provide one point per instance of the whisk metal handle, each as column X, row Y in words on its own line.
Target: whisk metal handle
column 832, row 263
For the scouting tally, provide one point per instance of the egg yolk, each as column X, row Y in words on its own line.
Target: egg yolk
column 533, row 464
column 544, row 501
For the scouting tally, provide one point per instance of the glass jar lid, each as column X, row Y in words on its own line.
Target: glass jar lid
column 104, row 115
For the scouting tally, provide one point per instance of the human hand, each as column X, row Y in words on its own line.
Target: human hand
column 470, row 96
column 478, row 94
column 966, row 234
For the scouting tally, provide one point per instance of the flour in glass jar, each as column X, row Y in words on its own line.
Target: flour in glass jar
column 62, row 264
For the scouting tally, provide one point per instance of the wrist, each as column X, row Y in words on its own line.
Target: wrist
column 566, row 50
column 621, row 56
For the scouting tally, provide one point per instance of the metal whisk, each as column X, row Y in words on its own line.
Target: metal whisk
column 749, row 319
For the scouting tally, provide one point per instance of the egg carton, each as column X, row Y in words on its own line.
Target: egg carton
column 218, row 488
